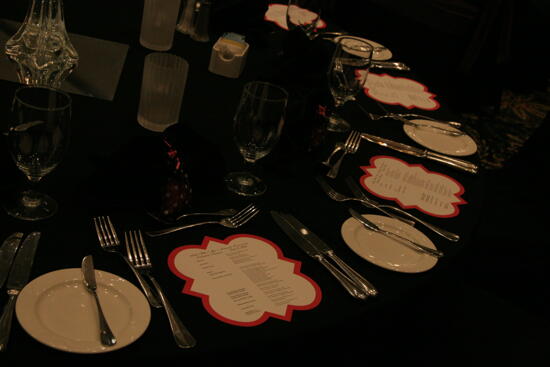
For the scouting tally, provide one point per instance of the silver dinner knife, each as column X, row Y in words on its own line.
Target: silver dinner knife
column 356, row 285
column 398, row 238
column 7, row 253
column 422, row 153
column 106, row 335
column 18, row 278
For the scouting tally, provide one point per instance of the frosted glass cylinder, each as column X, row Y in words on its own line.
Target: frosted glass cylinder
column 158, row 24
column 162, row 87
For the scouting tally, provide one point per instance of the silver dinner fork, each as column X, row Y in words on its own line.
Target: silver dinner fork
column 109, row 241
column 350, row 147
column 233, row 221
column 139, row 257
column 334, row 195
column 222, row 212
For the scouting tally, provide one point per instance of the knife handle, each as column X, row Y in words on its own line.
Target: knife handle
column 454, row 162
column 181, row 335
column 5, row 322
column 346, row 282
column 353, row 275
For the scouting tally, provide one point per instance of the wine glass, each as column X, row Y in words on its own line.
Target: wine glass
column 304, row 15
column 347, row 75
column 257, row 127
column 37, row 138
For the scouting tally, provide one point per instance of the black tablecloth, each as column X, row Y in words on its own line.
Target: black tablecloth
column 108, row 171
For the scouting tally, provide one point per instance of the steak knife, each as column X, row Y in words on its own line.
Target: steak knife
column 18, row 278
column 422, row 153
column 7, row 253
column 356, row 285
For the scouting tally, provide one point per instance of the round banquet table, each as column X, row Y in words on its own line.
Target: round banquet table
column 110, row 166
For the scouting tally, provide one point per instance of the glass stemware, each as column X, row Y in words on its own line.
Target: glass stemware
column 347, row 75
column 37, row 138
column 304, row 15
column 257, row 127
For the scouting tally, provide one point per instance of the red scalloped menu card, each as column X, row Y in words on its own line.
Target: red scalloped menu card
column 244, row 280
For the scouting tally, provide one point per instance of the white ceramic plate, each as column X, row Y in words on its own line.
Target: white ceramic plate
column 385, row 252
column 58, row 311
column 446, row 144
column 380, row 52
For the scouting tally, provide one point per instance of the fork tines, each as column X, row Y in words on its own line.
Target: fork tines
column 106, row 232
column 244, row 215
column 136, row 250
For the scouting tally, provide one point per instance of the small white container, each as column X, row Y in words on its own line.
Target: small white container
column 228, row 57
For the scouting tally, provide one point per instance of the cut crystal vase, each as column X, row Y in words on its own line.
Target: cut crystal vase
column 41, row 48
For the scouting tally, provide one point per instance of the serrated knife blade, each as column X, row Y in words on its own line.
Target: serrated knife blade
column 18, row 278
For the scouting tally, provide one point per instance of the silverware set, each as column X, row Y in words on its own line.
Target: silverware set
column 394, row 236
column 351, row 145
column 137, row 257
column 361, row 196
column 363, row 199
column 110, row 242
column 16, row 259
column 356, row 285
column 450, row 127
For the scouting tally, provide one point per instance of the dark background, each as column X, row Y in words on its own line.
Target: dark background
column 488, row 307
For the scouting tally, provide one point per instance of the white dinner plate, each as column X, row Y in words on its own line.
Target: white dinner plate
column 380, row 52
column 461, row 145
column 58, row 311
column 385, row 252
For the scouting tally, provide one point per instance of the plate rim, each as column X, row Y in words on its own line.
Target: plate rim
column 373, row 43
column 410, row 132
column 374, row 218
column 28, row 322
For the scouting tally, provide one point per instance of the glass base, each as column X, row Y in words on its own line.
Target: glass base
column 32, row 206
column 245, row 183
column 337, row 124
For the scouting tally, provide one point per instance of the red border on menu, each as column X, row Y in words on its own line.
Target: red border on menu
column 322, row 24
column 187, row 289
column 457, row 195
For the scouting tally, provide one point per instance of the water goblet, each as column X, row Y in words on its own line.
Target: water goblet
column 257, row 127
column 347, row 74
column 37, row 138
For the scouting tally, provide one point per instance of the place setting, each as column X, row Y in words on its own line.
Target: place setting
column 174, row 238
column 51, row 305
column 391, row 240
